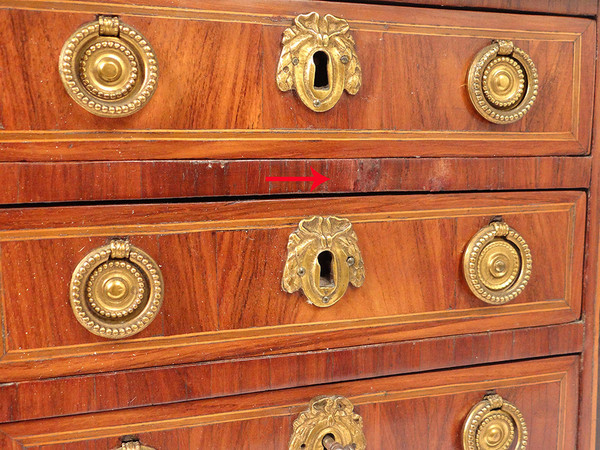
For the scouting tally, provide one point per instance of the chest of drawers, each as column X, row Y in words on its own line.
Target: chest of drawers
column 298, row 224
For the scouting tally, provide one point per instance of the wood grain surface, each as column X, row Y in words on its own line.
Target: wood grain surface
column 412, row 412
column 222, row 265
column 133, row 180
column 53, row 397
column 266, row 7
column 566, row 7
column 410, row 58
column 232, row 360
column 589, row 426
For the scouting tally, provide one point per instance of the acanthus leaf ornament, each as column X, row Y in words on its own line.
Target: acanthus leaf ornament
column 328, row 416
column 323, row 258
column 319, row 61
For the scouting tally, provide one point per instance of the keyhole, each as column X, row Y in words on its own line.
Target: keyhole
column 321, row 60
column 325, row 259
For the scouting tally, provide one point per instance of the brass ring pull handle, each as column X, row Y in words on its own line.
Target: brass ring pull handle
column 108, row 68
column 497, row 263
column 502, row 82
column 494, row 424
column 319, row 61
column 133, row 445
column 323, row 258
column 329, row 422
column 116, row 290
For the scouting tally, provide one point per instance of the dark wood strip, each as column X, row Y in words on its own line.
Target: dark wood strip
column 310, row 146
column 563, row 7
column 276, row 11
column 589, row 427
column 554, row 383
column 130, row 180
column 101, row 392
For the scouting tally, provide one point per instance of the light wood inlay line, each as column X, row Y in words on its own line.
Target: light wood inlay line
column 266, row 223
column 291, row 409
column 273, row 135
column 224, row 336
column 562, row 417
column 3, row 348
column 281, row 20
column 576, row 86
column 569, row 250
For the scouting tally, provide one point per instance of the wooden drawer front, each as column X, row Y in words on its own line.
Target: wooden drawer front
column 411, row 412
column 569, row 7
column 218, row 92
column 222, row 266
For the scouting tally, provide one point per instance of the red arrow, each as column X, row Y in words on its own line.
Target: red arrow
column 316, row 179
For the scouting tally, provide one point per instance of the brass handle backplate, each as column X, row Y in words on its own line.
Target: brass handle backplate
column 494, row 424
column 116, row 290
column 323, row 258
column 319, row 61
column 108, row 68
column 329, row 422
column 497, row 263
column 502, row 82
column 133, row 445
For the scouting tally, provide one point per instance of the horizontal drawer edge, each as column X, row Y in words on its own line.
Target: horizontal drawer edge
column 184, row 382
column 508, row 379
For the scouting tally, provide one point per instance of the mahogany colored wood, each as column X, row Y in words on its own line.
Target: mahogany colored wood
column 129, row 180
column 35, row 399
column 226, row 366
column 558, row 7
column 414, row 103
column 589, row 427
column 419, row 411
column 231, row 303
column 563, row 7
